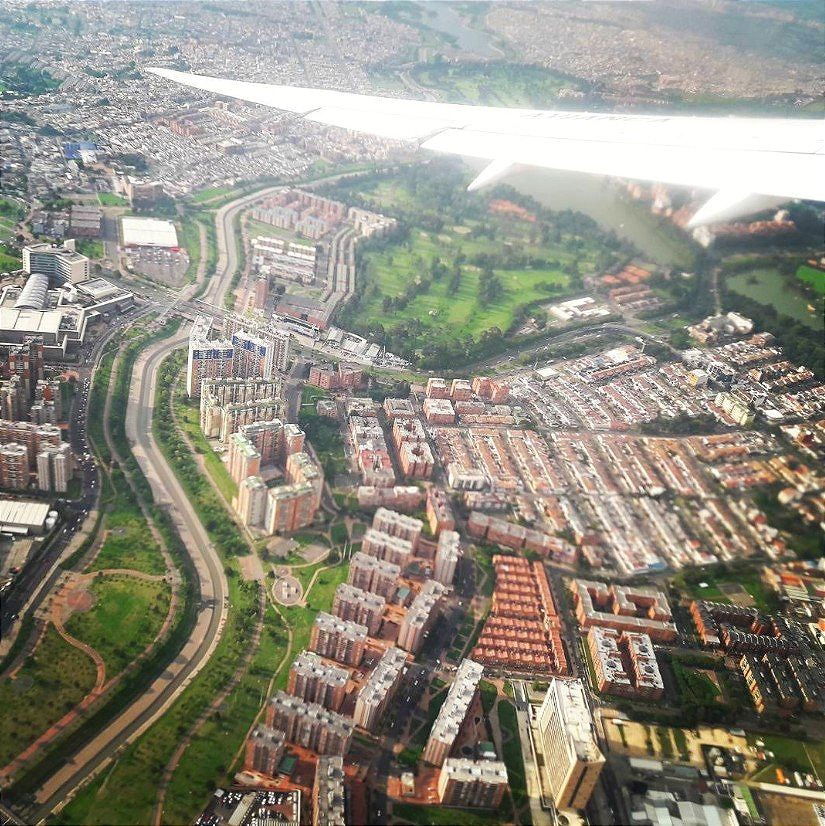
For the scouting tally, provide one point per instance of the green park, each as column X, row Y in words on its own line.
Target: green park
column 461, row 270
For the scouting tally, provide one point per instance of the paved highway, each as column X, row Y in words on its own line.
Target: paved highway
column 97, row 754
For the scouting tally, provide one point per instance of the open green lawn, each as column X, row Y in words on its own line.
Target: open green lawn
column 443, row 816
column 793, row 755
column 189, row 416
column 448, row 313
column 189, row 237
column 812, row 276
column 208, row 758
column 6, row 228
column 110, row 199
column 257, row 229
column 8, row 263
column 208, row 194
column 48, row 686
column 90, row 247
column 751, row 581
column 512, row 752
column 128, row 543
column 323, row 590
column 124, row 620
column 494, row 84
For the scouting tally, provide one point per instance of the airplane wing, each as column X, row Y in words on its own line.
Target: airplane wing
column 749, row 163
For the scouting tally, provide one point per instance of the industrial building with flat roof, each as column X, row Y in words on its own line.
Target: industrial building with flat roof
column 24, row 517
column 148, row 232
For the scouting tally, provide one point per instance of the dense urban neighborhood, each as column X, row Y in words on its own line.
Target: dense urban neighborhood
column 333, row 492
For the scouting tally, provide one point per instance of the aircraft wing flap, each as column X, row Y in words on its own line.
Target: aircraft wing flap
column 788, row 174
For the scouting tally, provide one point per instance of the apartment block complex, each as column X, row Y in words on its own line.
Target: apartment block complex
column 440, row 516
column 398, row 524
column 338, row 639
column 386, row 547
column 572, row 758
column 315, row 681
column 378, row 691
column 239, row 354
column 784, row 685
column 55, row 467
column 308, row 724
column 522, row 634
column 372, row 574
column 403, row 497
column 356, row 605
column 624, row 608
column 336, row 376
column 447, row 555
column 625, row 663
column 474, row 784
column 329, row 792
column 420, row 616
column 461, row 704
column 264, row 750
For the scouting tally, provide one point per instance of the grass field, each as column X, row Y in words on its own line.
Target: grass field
column 751, row 581
column 812, row 276
column 6, row 228
column 9, row 262
column 189, row 417
column 791, row 755
column 213, row 192
column 110, row 199
column 494, row 84
column 259, row 228
column 446, row 314
column 49, row 685
column 128, row 543
column 512, row 753
column 454, row 314
column 90, row 247
column 124, row 620
column 442, row 816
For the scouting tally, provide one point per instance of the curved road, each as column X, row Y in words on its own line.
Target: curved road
column 167, row 491
column 195, row 653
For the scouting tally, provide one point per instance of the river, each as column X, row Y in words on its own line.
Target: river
column 600, row 199
column 444, row 18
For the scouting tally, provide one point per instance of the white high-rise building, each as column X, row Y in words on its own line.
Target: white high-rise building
column 572, row 758
column 208, row 358
column 55, row 465
column 59, row 263
column 447, row 555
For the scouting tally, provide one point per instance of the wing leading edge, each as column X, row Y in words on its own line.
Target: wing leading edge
column 750, row 163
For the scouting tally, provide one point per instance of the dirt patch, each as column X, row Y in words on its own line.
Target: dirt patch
column 79, row 600
column 782, row 810
column 251, row 568
column 737, row 594
column 314, row 552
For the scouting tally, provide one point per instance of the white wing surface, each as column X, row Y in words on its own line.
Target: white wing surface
column 750, row 163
